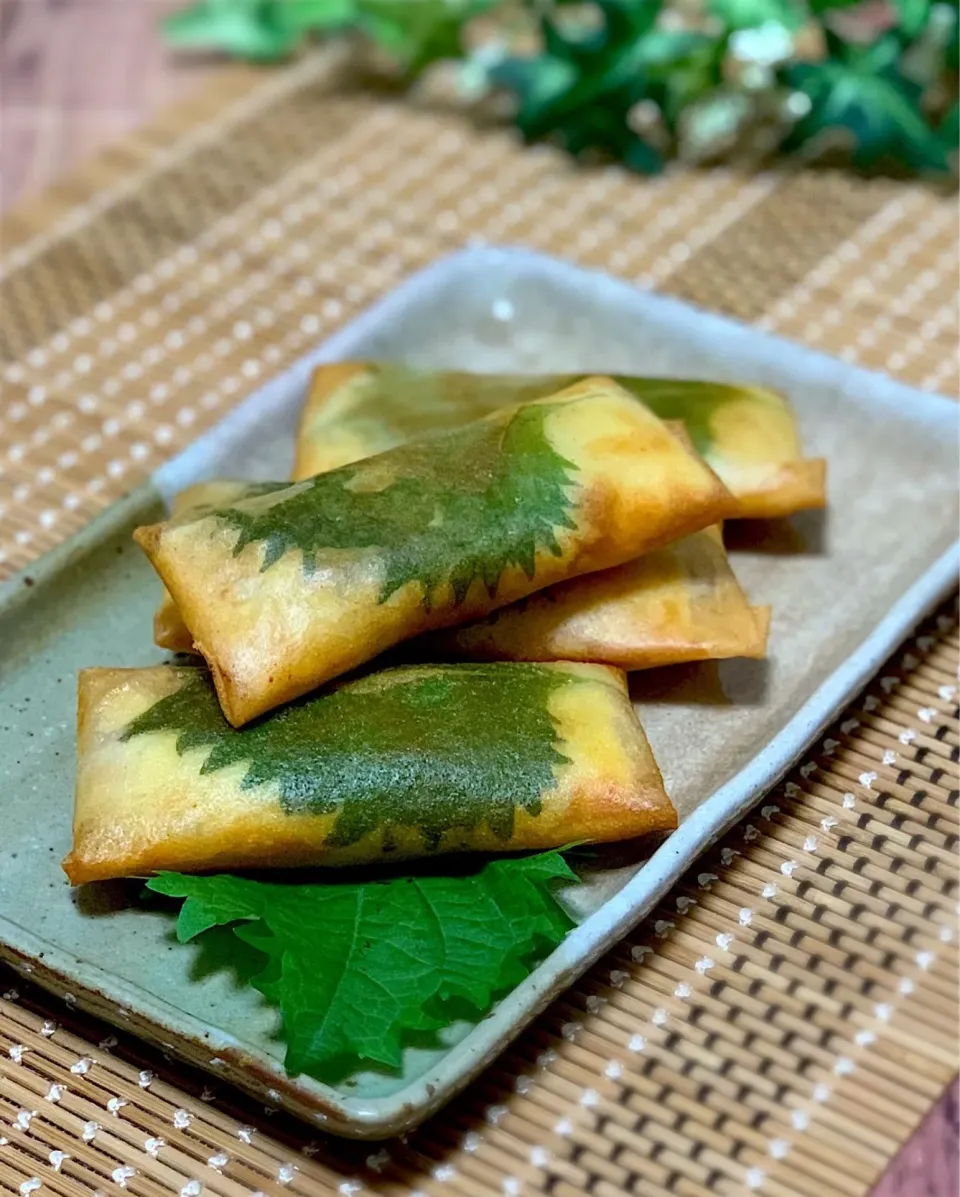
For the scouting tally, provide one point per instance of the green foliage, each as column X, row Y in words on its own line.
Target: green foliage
column 464, row 505
column 758, row 14
column 360, row 968
column 415, row 33
column 420, row 33
column 583, row 86
column 260, row 30
column 639, row 81
column 863, row 92
column 438, row 748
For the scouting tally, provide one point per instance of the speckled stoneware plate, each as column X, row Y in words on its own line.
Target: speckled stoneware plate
column 845, row 588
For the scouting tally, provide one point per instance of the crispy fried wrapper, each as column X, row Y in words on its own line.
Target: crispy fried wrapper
column 747, row 434
column 169, row 630
column 294, row 586
column 677, row 604
column 406, row 763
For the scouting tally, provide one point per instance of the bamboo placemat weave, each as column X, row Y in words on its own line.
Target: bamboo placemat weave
column 785, row 1018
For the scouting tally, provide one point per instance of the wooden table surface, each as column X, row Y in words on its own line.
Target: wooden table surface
column 74, row 74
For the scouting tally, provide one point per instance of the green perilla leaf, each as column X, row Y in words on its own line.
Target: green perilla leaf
column 358, row 967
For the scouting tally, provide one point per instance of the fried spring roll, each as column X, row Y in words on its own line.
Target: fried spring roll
column 288, row 589
column 169, row 630
column 405, row 763
column 747, row 435
column 677, row 604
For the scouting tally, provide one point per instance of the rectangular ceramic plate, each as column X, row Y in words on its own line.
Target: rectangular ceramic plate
column 845, row 586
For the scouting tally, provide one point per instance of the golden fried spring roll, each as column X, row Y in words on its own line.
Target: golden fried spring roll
column 677, row 604
column 169, row 630
column 404, row 763
column 286, row 590
column 747, row 435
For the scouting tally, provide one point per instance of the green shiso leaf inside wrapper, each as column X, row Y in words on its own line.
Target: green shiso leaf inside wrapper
column 349, row 753
column 360, row 969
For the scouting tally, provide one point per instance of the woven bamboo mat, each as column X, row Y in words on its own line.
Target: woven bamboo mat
column 787, row 1016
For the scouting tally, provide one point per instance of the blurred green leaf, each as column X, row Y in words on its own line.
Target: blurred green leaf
column 952, row 52
column 820, row 7
column 912, row 15
column 751, row 14
column 635, row 79
column 537, row 82
column 710, row 126
column 421, row 33
column 931, row 56
column 642, row 158
column 581, row 89
column 863, row 93
column 243, row 29
column 667, row 48
column 315, row 16
column 950, row 129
